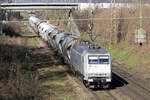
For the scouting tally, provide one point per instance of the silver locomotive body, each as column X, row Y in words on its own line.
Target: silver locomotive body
column 94, row 64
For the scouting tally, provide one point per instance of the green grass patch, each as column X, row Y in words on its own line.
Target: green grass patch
column 121, row 56
column 102, row 95
column 28, row 34
column 148, row 58
column 55, row 80
column 24, row 15
column 134, row 61
column 32, row 42
column 85, row 36
column 103, row 44
column 69, row 98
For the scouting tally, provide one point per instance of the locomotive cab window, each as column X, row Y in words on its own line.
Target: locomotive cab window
column 102, row 59
column 93, row 60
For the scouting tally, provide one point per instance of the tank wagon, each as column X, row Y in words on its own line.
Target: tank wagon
column 93, row 63
column 34, row 22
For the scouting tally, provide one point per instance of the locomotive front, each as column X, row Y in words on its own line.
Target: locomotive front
column 94, row 64
column 99, row 68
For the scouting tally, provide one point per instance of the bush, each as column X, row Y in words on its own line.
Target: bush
column 12, row 29
column 17, row 80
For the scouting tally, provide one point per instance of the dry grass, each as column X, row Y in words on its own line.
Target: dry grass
column 18, row 74
column 19, row 80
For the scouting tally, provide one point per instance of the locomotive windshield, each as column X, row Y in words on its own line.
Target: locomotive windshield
column 102, row 59
column 93, row 60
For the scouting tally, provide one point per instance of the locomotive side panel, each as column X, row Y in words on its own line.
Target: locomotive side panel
column 75, row 60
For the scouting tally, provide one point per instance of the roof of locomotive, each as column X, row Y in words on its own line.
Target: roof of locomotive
column 80, row 48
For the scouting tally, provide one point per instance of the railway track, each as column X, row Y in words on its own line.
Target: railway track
column 134, row 89
column 111, row 95
column 130, row 78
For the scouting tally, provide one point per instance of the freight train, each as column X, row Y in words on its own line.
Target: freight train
column 93, row 63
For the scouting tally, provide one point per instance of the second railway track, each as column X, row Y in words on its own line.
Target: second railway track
column 135, row 89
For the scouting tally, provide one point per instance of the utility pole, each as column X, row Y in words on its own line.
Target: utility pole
column 78, row 1
column 70, row 21
column 111, row 24
column 91, row 24
column 113, row 29
column 1, row 23
column 141, row 17
column 115, row 21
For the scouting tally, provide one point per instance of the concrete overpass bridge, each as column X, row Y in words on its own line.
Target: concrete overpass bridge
column 38, row 6
column 26, row 5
